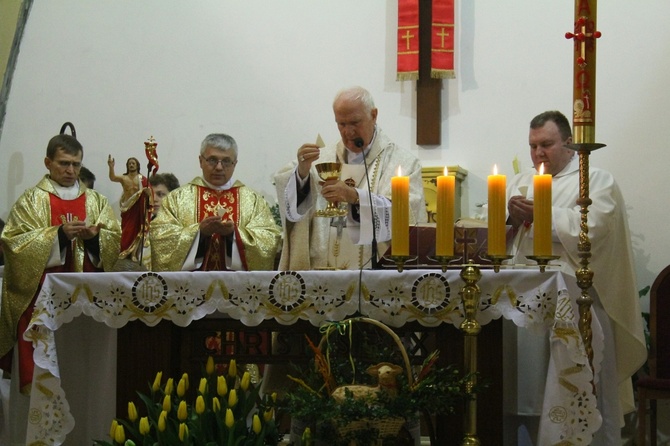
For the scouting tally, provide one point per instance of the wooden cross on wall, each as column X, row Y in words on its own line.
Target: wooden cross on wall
column 428, row 90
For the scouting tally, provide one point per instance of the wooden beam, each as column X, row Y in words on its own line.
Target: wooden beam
column 428, row 90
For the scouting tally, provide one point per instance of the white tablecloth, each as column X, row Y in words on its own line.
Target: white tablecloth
column 541, row 302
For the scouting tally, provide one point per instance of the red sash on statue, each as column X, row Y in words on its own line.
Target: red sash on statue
column 226, row 204
column 62, row 211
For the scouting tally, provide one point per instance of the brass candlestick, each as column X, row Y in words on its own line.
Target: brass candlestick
column 496, row 260
column 584, row 274
column 584, row 36
column 443, row 261
column 470, row 293
column 543, row 261
column 400, row 261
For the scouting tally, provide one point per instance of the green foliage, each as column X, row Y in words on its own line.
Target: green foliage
column 276, row 214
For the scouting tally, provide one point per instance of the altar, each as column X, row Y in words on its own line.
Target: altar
column 543, row 303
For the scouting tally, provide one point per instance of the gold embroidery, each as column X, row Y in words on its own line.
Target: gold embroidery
column 568, row 385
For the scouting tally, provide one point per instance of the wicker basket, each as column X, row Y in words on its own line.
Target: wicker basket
column 386, row 426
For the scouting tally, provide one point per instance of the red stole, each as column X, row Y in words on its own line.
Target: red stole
column 441, row 39
column 226, row 204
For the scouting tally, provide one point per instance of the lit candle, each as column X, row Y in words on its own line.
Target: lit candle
column 496, row 204
column 542, row 213
column 400, row 215
column 444, row 234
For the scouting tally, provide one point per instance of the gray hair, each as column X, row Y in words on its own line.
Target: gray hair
column 219, row 141
column 356, row 94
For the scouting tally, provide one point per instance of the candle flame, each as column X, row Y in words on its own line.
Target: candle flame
column 446, row 171
column 399, row 171
column 495, row 169
column 541, row 170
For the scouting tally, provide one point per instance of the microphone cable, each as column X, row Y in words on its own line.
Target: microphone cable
column 358, row 142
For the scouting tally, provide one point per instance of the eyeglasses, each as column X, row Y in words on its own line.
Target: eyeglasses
column 213, row 162
column 66, row 164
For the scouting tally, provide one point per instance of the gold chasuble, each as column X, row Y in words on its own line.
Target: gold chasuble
column 29, row 238
column 176, row 227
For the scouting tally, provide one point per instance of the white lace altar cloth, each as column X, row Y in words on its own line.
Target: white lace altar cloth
column 541, row 302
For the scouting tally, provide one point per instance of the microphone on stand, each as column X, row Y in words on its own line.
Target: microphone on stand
column 358, row 142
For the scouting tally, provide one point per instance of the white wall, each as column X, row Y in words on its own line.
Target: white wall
column 266, row 72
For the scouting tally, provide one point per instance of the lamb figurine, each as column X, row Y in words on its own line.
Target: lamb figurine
column 386, row 374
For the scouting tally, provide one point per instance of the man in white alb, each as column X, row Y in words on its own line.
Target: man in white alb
column 312, row 242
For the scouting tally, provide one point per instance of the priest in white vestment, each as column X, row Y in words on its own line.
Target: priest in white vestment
column 312, row 242
column 614, row 291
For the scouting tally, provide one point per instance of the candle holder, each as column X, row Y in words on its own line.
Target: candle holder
column 496, row 260
column 542, row 261
column 400, row 261
column 443, row 260
column 470, row 327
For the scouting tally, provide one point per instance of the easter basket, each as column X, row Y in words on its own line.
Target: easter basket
column 384, row 427
column 341, row 404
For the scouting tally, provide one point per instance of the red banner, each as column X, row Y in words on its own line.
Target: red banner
column 408, row 40
column 442, row 44
column 442, row 39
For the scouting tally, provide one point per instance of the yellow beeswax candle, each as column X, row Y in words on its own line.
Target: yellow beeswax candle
column 444, row 234
column 400, row 215
column 496, row 208
column 542, row 213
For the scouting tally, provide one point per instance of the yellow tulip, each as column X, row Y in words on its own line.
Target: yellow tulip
column 274, row 396
column 307, row 436
column 119, row 434
column 169, row 386
column 232, row 398
column 268, row 414
column 246, row 379
column 183, row 432
column 256, row 424
column 144, row 426
column 132, row 411
column 232, row 368
column 185, row 378
column 112, row 430
column 182, row 411
column 157, row 381
column 221, row 386
column 181, row 388
column 216, row 404
column 167, row 403
column 230, row 419
column 209, row 368
column 162, row 421
column 202, row 388
column 199, row 405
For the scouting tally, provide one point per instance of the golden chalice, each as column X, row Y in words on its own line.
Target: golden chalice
column 330, row 171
